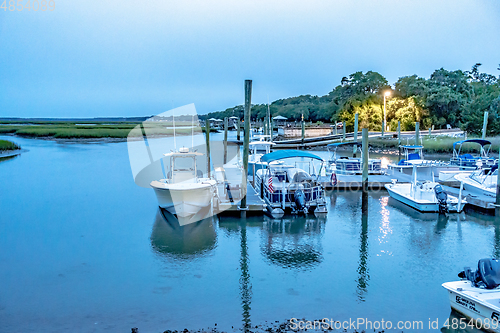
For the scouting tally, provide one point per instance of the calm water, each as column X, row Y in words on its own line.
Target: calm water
column 84, row 249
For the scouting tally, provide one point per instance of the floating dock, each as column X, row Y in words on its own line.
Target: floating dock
column 229, row 187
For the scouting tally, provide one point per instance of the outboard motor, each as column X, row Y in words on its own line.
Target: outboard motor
column 299, row 198
column 442, row 199
column 487, row 274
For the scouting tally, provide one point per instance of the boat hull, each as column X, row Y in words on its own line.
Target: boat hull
column 464, row 301
column 184, row 200
column 401, row 192
column 475, row 187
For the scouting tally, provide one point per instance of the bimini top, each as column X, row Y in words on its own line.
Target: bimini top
column 281, row 154
column 478, row 141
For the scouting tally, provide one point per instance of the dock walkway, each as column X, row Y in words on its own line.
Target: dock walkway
column 229, row 185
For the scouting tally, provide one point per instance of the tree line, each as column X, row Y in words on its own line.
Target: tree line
column 458, row 98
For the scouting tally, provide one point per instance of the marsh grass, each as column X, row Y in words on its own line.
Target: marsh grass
column 67, row 130
column 7, row 145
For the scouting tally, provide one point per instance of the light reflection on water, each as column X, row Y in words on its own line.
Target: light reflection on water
column 82, row 248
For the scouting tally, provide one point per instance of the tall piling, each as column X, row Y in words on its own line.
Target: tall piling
column 207, row 143
column 238, row 130
column 485, row 124
column 303, row 129
column 355, row 147
column 246, row 146
column 497, row 201
column 399, row 141
column 343, row 131
column 417, row 133
column 364, row 148
column 225, row 139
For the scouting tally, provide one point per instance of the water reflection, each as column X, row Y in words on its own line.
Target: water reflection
column 9, row 158
column 363, row 273
column 294, row 242
column 454, row 321
column 245, row 285
column 192, row 240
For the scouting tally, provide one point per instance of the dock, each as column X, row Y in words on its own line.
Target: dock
column 229, row 187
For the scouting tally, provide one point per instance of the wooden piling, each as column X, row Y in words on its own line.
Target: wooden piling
column 207, row 143
column 355, row 147
column 364, row 147
column 497, row 201
column 417, row 133
column 246, row 145
column 238, row 130
column 430, row 131
column 399, row 133
column 485, row 124
column 225, row 139
column 343, row 131
column 303, row 129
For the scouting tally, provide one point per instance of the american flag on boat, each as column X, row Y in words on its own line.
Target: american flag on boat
column 270, row 184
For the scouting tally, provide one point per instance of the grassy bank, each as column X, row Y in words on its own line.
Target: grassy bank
column 438, row 144
column 7, row 145
column 66, row 130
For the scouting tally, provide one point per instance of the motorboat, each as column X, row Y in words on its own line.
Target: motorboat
column 185, row 192
column 483, row 181
column 426, row 196
column 345, row 165
column 287, row 187
column 257, row 150
column 477, row 294
column 470, row 161
column 413, row 156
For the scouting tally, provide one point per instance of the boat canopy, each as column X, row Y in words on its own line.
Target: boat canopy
column 282, row 154
column 478, row 141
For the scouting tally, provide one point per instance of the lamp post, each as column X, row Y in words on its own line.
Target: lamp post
column 386, row 94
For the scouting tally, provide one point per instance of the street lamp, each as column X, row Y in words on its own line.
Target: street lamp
column 386, row 94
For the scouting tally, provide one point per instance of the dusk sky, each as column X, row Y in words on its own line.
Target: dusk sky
column 137, row 58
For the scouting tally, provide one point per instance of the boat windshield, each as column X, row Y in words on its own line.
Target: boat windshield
column 184, row 163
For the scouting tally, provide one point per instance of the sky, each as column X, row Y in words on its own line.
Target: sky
column 139, row 58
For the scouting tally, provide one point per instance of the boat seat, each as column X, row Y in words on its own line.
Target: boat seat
column 466, row 157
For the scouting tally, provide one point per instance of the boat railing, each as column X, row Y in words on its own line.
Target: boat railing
column 276, row 196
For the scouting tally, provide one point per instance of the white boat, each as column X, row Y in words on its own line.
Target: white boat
column 185, row 192
column 349, row 165
column 257, row 150
column 290, row 188
column 482, row 181
column 414, row 156
column 427, row 196
column 477, row 295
